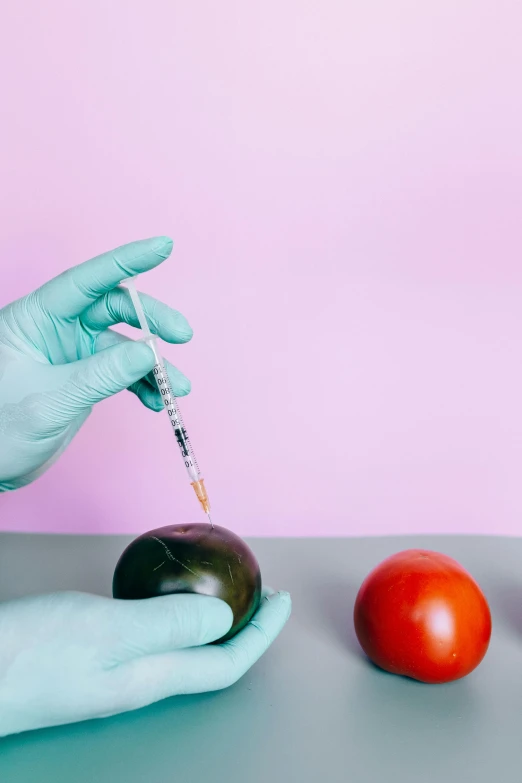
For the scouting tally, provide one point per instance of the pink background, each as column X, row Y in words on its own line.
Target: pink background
column 343, row 181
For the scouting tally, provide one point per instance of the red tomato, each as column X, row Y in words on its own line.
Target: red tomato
column 422, row 615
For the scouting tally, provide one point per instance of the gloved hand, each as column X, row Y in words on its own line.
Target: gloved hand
column 67, row 657
column 58, row 356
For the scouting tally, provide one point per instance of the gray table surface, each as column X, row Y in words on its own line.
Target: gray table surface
column 313, row 708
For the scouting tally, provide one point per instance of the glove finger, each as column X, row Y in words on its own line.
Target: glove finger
column 147, row 395
column 179, row 382
column 210, row 668
column 153, row 626
column 244, row 649
column 67, row 295
column 116, row 307
column 94, row 379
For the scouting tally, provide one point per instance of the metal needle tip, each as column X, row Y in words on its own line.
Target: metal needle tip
column 209, row 519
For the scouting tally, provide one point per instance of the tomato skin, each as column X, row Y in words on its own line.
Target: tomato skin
column 422, row 615
column 222, row 565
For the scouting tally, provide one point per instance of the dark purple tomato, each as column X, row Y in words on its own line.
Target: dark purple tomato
column 192, row 558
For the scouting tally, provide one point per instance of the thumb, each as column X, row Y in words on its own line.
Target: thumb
column 102, row 375
column 158, row 625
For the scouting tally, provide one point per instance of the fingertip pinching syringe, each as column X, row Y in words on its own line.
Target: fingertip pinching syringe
column 169, row 401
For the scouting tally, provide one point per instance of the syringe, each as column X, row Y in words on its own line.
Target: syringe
column 169, row 401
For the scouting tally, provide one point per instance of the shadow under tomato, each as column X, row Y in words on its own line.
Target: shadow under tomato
column 504, row 596
column 333, row 614
column 409, row 718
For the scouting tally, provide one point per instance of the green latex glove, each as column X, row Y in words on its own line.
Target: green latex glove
column 59, row 356
column 68, row 657
column 72, row 656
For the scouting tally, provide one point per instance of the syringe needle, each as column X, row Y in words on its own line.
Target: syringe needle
column 210, row 520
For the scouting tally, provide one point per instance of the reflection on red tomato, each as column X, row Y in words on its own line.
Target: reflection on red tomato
column 420, row 614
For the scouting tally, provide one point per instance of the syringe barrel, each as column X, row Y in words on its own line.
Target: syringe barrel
column 169, row 401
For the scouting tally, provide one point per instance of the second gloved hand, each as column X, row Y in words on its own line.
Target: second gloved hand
column 59, row 356
column 67, row 657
